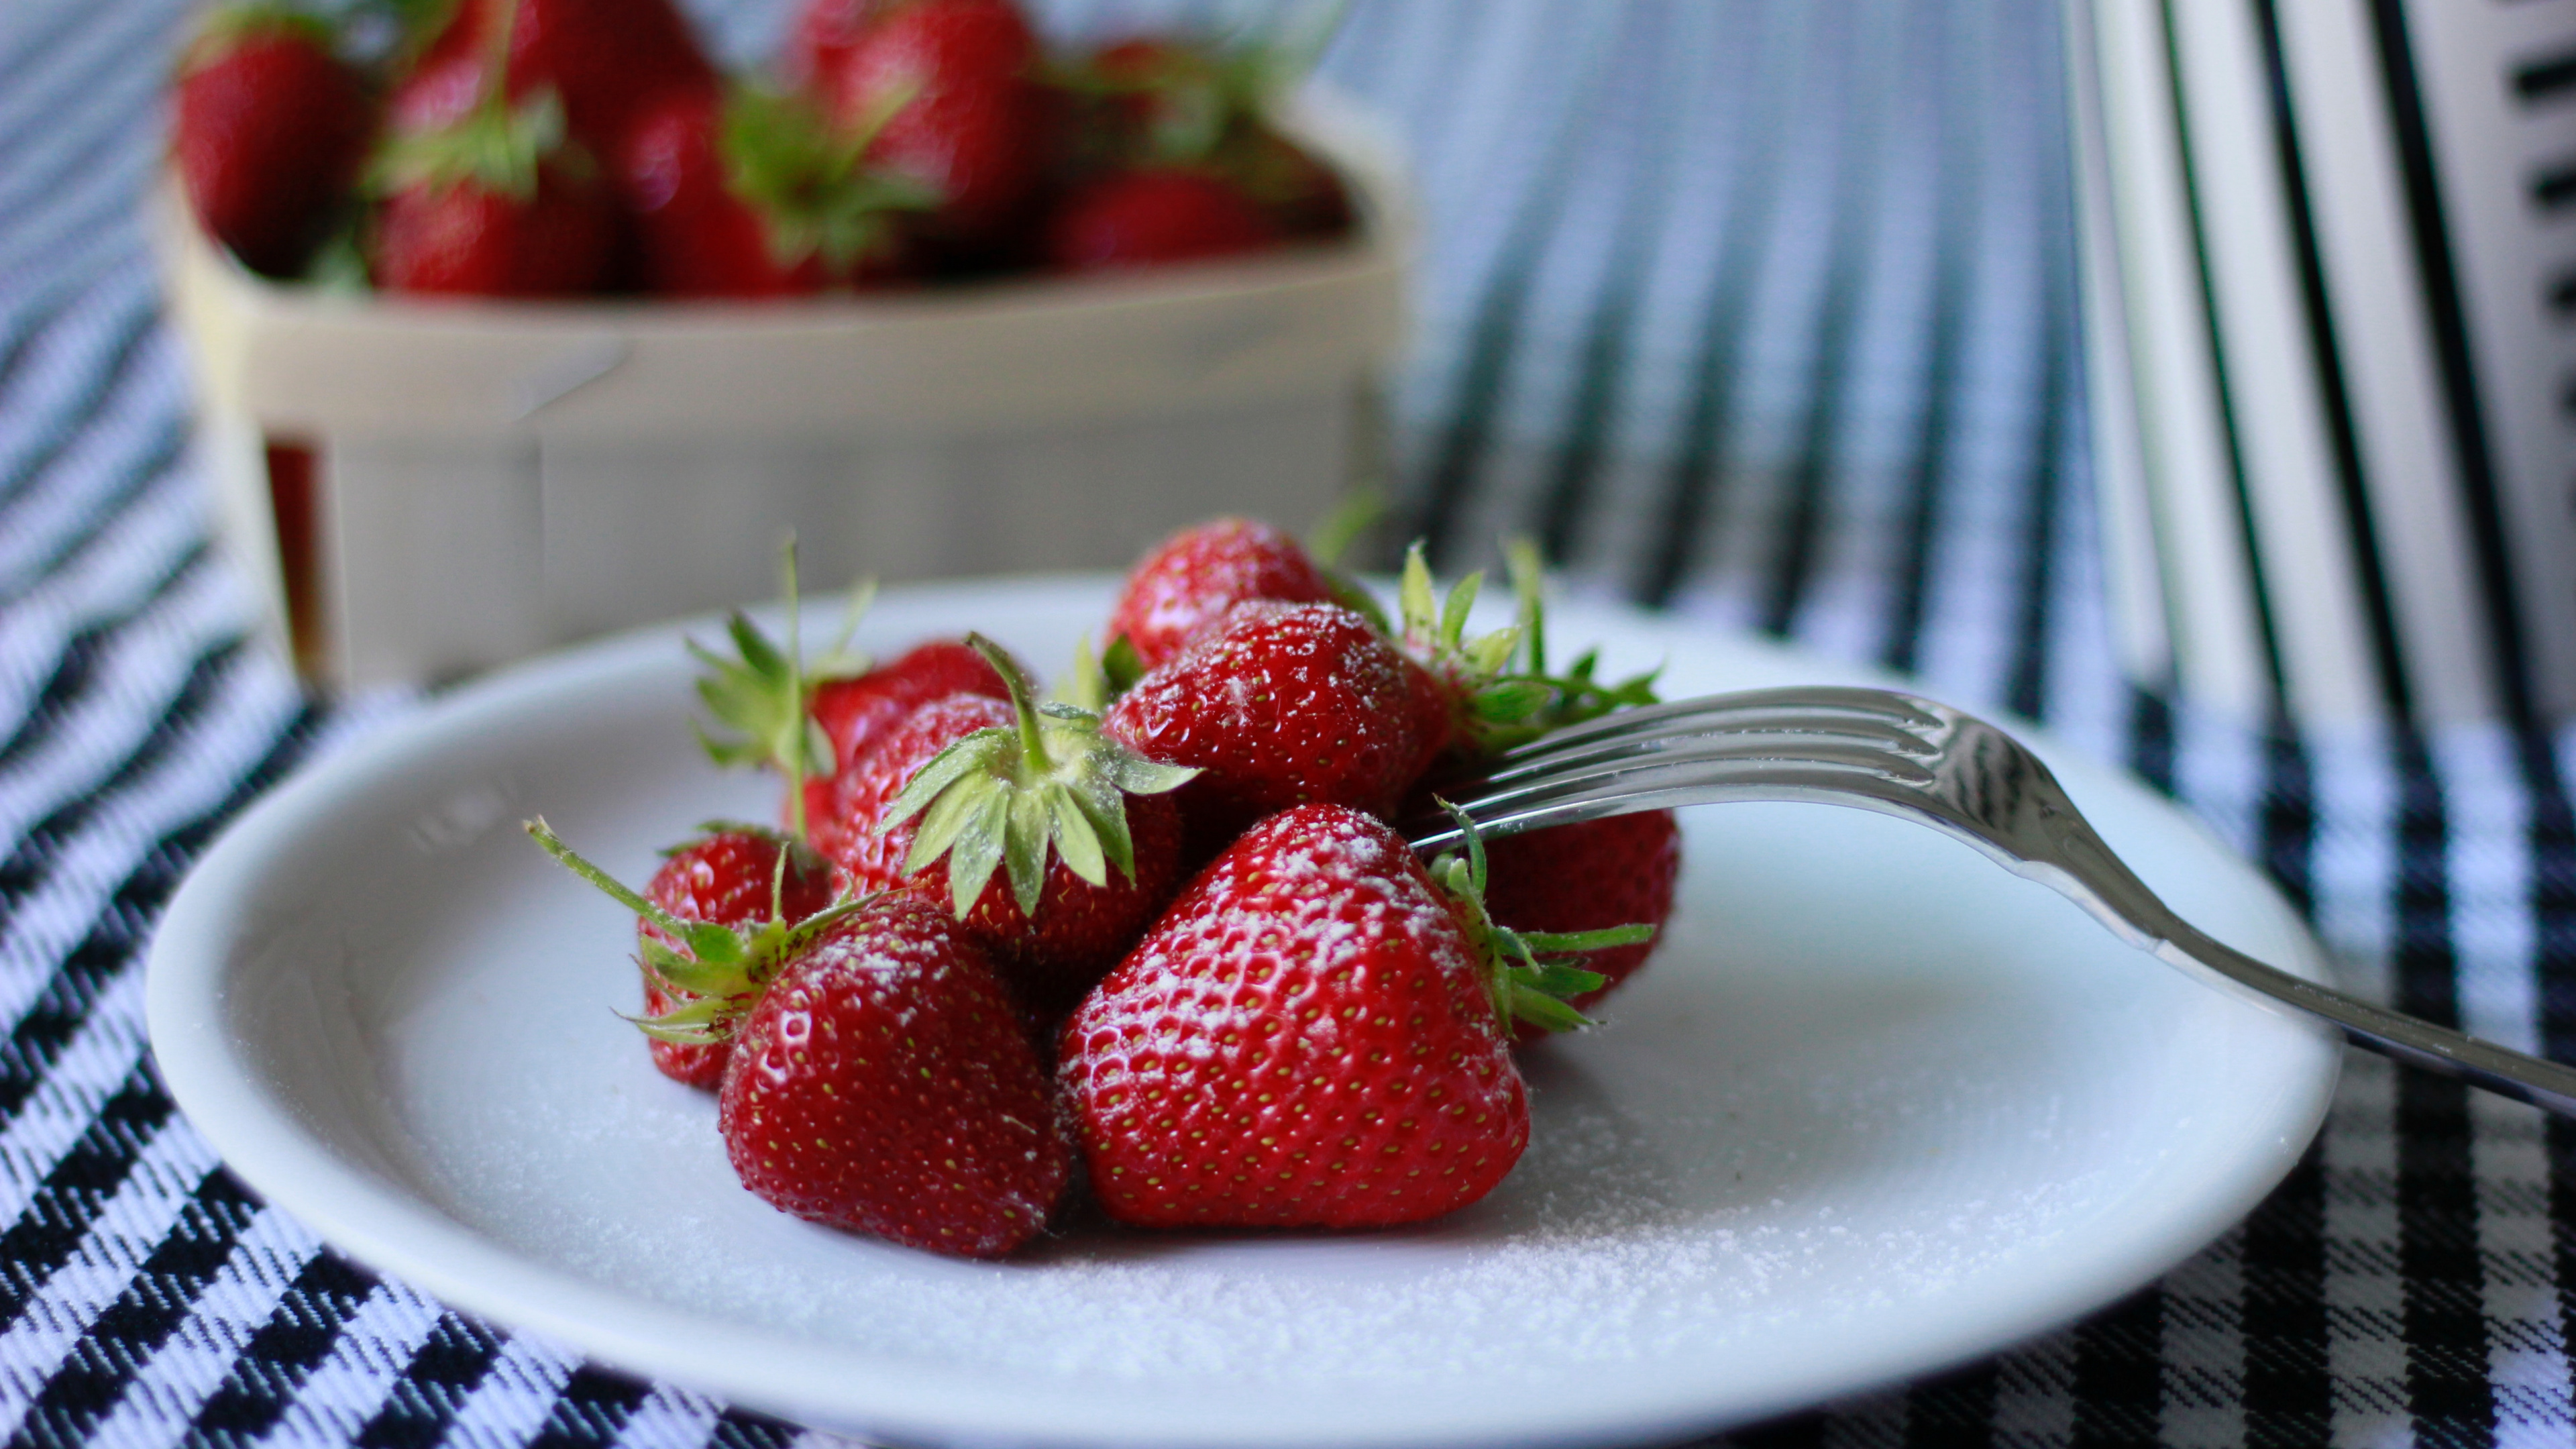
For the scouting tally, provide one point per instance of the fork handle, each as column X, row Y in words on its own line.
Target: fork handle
column 2102, row 884
column 2408, row 1039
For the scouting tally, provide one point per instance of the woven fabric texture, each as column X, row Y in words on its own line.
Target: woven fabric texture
column 1761, row 313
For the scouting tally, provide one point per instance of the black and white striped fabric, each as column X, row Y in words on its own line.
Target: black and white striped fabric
column 1759, row 312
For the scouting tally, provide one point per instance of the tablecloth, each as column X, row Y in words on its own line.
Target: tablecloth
column 1759, row 311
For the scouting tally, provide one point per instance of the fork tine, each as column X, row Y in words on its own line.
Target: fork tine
column 1781, row 729
column 1703, row 772
column 1786, row 737
column 1836, row 711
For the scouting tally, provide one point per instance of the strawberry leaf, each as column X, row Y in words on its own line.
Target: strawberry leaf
column 1122, row 665
column 951, row 812
column 1524, row 1002
column 1522, row 986
column 1357, row 513
column 810, row 183
column 1085, row 685
column 764, row 694
column 1556, row 943
column 977, row 847
column 1049, row 784
column 1507, row 696
column 1100, row 798
column 490, row 148
column 1076, row 839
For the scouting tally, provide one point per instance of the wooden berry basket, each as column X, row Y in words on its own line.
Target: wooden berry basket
column 430, row 488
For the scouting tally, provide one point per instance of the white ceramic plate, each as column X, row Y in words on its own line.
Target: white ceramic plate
column 1878, row 1107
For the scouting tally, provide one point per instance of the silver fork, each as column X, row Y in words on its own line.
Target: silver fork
column 1912, row 758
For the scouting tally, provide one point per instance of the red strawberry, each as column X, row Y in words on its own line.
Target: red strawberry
column 1161, row 102
column 1049, row 799
column 1588, row 876
column 269, row 127
column 1151, row 216
column 1301, row 195
column 496, row 205
column 946, row 87
column 878, row 1077
column 727, row 876
column 749, row 196
column 1191, row 579
column 822, row 36
column 884, row 1084
column 1312, row 1035
column 1279, row 705
column 858, row 711
column 843, row 811
column 1490, row 693
column 607, row 60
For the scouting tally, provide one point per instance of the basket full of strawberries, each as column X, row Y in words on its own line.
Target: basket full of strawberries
column 1151, row 950
column 537, row 323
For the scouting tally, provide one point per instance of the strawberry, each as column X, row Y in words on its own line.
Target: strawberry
column 605, row 60
column 1193, row 577
column 1494, row 692
column 844, row 810
column 1312, row 1035
column 1301, row 195
column 1152, row 216
column 1163, row 102
column 1588, row 876
column 1046, row 796
column 269, row 127
column 498, row 204
column 732, row 876
column 884, row 1084
column 1279, row 705
column 749, row 195
column 821, row 37
column 945, row 90
column 858, row 711
column 878, row 1078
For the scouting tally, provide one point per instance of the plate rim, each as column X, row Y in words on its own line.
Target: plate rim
column 356, row 1210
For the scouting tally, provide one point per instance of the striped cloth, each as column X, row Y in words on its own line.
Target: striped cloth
column 1760, row 312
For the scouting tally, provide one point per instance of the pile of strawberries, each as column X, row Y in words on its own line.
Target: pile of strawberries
column 1152, row 944
column 526, row 148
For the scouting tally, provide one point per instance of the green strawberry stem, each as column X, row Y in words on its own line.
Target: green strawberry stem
column 708, row 941
column 1033, row 747
column 1529, row 591
column 721, row 970
column 1526, row 978
column 1008, row 796
column 803, row 695
column 765, row 694
column 1356, row 513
